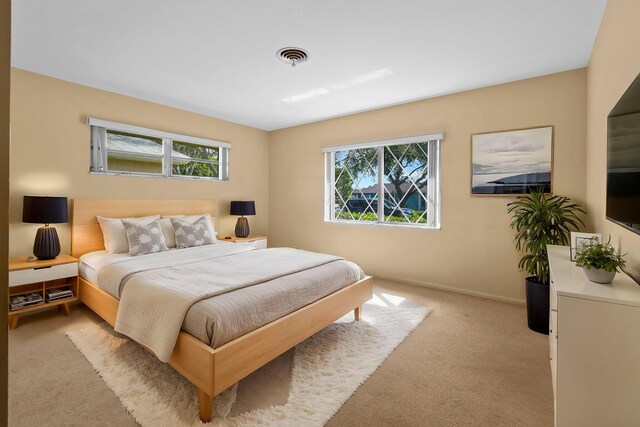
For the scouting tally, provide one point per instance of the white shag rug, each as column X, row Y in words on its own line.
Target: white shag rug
column 327, row 369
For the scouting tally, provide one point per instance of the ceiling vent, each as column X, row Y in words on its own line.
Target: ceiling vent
column 292, row 55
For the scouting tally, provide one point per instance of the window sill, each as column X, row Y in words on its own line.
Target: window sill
column 383, row 224
column 143, row 175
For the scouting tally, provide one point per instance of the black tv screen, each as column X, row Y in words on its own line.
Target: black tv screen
column 623, row 160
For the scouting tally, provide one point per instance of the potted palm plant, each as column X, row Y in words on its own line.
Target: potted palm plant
column 539, row 220
column 600, row 262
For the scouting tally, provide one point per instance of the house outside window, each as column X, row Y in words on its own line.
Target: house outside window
column 403, row 173
column 120, row 149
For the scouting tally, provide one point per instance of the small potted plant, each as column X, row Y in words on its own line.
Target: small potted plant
column 600, row 261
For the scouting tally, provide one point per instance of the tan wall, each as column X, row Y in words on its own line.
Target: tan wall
column 50, row 153
column 5, row 88
column 473, row 251
column 614, row 64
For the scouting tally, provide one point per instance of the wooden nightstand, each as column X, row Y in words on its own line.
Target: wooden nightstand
column 259, row 242
column 40, row 277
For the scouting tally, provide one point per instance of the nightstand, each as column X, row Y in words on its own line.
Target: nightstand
column 44, row 278
column 259, row 242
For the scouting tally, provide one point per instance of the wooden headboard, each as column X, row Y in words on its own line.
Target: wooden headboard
column 86, row 235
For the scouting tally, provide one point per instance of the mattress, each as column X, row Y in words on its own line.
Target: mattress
column 222, row 318
column 88, row 273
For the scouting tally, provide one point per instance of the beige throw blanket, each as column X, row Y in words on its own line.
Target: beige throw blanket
column 153, row 303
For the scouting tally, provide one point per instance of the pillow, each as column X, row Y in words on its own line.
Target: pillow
column 169, row 234
column 167, row 231
column 188, row 235
column 144, row 239
column 115, row 238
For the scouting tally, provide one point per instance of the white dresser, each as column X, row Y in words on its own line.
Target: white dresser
column 594, row 337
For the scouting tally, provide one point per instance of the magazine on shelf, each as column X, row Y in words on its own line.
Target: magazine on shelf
column 59, row 297
column 17, row 302
column 58, row 293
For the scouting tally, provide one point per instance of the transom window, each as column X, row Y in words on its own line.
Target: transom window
column 120, row 149
column 402, row 173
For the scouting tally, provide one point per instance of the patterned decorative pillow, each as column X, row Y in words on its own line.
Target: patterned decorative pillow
column 170, row 235
column 188, row 234
column 115, row 238
column 144, row 239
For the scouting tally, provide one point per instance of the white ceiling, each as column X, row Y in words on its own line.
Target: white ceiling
column 218, row 57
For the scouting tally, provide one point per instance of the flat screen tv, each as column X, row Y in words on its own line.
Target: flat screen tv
column 623, row 160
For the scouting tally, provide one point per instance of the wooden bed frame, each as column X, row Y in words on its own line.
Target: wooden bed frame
column 210, row 370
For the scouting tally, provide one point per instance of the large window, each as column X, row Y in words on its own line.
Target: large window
column 120, row 149
column 393, row 181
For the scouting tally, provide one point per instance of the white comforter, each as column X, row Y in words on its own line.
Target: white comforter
column 115, row 269
column 158, row 292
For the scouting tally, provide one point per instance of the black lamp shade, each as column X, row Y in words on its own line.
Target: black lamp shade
column 243, row 208
column 45, row 210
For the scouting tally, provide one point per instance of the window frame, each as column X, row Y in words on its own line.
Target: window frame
column 99, row 163
column 433, row 181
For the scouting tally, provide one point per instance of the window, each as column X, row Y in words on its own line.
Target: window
column 402, row 173
column 195, row 160
column 120, row 149
column 131, row 153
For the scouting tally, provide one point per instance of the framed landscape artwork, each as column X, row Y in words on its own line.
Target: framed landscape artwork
column 512, row 162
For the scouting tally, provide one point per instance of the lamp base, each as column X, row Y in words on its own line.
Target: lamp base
column 242, row 227
column 47, row 244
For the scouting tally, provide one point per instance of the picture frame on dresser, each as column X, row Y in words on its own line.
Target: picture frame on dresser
column 580, row 240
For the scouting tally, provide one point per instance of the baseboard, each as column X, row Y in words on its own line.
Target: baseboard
column 452, row 289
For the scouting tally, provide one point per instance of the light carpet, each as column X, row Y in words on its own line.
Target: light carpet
column 326, row 370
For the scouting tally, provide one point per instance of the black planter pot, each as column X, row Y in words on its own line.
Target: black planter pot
column 537, row 306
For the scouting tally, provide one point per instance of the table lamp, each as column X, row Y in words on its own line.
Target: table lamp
column 242, row 208
column 45, row 210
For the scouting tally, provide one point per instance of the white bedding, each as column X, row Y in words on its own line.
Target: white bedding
column 202, row 272
column 92, row 262
column 99, row 259
column 88, row 273
column 156, row 298
column 127, row 265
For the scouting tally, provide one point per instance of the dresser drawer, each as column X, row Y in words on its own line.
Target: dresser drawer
column 553, row 296
column 34, row 275
column 553, row 335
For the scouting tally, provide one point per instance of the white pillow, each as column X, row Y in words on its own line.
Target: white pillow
column 169, row 233
column 114, row 235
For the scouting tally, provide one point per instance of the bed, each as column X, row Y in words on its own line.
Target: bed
column 214, row 361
